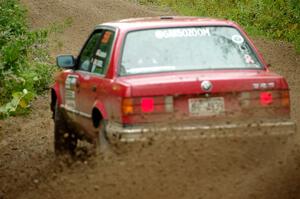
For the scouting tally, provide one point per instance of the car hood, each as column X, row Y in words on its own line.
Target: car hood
column 190, row 82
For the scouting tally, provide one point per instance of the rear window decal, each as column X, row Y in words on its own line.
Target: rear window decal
column 248, row 59
column 237, row 39
column 149, row 69
column 183, row 32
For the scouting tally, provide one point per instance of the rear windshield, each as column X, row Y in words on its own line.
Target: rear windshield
column 186, row 48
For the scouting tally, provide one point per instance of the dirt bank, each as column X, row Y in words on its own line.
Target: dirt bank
column 265, row 167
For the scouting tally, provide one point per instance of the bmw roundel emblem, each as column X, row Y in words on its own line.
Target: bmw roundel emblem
column 206, row 86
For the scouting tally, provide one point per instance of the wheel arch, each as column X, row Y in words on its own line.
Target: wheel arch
column 55, row 97
column 98, row 114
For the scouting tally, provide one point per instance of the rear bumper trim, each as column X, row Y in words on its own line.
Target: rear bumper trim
column 190, row 131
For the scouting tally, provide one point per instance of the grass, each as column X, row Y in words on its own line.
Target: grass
column 279, row 19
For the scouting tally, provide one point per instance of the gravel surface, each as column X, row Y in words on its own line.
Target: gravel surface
column 241, row 168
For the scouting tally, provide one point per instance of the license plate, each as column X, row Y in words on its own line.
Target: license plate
column 206, row 106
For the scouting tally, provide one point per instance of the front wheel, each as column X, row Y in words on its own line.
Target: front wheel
column 65, row 142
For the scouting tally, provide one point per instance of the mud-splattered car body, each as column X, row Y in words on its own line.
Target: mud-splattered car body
column 180, row 76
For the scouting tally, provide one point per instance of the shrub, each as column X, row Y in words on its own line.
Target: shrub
column 24, row 62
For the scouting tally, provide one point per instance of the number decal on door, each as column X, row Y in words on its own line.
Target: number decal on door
column 70, row 87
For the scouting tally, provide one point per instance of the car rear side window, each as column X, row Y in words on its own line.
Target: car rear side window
column 86, row 56
column 102, row 55
column 186, row 48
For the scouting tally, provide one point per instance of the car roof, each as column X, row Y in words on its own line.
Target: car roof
column 166, row 21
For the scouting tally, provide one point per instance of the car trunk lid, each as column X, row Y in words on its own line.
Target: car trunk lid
column 251, row 95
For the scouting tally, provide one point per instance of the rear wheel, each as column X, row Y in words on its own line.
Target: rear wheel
column 65, row 142
column 104, row 147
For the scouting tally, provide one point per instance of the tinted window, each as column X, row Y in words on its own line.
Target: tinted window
column 188, row 48
column 102, row 55
column 86, row 57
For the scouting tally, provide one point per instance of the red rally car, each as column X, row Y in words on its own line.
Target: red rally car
column 181, row 77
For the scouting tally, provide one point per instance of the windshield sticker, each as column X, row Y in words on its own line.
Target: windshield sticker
column 106, row 37
column 237, row 39
column 101, row 54
column 187, row 32
column 248, row 59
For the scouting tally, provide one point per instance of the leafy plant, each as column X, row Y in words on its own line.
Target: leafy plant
column 24, row 62
column 20, row 102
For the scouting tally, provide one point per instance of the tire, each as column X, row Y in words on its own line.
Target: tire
column 65, row 142
column 104, row 147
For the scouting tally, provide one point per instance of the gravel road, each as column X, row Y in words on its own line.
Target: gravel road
column 233, row 168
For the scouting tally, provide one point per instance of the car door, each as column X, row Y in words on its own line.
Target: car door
column 76, row 84
column 92, row 83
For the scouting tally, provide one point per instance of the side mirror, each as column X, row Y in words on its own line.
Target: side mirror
column 65, row 61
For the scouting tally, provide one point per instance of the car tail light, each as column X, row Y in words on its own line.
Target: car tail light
column 127, row 106
column 162, row 104
column 285, row 98
column 266, row 98
column 147, row 105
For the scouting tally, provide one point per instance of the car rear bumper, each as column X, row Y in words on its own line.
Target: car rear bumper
column 116, row 132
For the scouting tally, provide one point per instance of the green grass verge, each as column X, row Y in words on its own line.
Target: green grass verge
column 278, row 19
